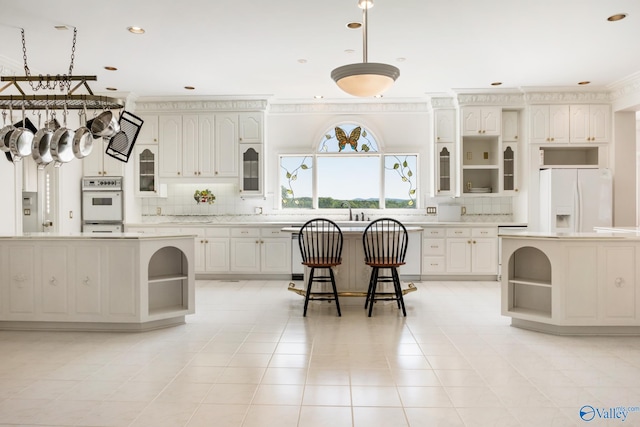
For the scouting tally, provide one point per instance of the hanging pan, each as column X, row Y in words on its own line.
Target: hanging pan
column 62, row 143
column 105, row 125
column 83, row 139
column 41, row 146
column 7, row 130
column 21, row 139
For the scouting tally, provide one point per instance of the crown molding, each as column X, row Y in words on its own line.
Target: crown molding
column 166, row 105
column 567, row 97
column 508, row 99
column 349, row 108
column 625, row 88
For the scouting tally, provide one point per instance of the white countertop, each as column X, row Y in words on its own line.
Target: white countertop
column 300, row 223
column 93, row 236
column 351, row 229
column 593, row 235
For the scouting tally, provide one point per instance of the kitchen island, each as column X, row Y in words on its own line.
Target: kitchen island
column 88, row 281
column 572, row 283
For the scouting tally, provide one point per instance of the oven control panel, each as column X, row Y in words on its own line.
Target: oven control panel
column 102, row 183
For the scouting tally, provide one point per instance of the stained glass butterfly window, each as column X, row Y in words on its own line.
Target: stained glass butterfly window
column 348, row 138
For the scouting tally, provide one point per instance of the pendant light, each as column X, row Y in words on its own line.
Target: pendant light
column 366, row 78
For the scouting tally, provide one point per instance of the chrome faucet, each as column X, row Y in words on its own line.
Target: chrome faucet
column 345, row 203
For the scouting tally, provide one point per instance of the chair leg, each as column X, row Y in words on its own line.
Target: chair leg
column 335, row 291
column 374, row 285
column 308, row 294
column 397, row 286
column 366, row 301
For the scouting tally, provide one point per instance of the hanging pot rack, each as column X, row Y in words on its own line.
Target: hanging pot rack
column 69, row 100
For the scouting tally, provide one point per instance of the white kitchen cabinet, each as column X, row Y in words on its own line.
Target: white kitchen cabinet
column 509, row 167
column 149, row 132
column 510, row 126
column 433, row 250
column 589, row 123
column 251, row 169
column 618, row 298
column 472, row 250
column 255, row 250
column 481, row 121
column 146, row 171
column 481, row 164
column 226, row 149
column 88, row 281
column 198, row 144
column 250, row 128
column 445, row 125
column 275, row 255
column 445, row 177
column 98, row 163
column 212, row 250
column 19, row 273
column 54, row 288
column 170, row 135
column 549, row 123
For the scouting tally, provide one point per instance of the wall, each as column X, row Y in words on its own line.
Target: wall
column 624, row 169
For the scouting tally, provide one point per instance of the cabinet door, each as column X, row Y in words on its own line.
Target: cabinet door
column 600, row 123
column 217, row 254
column 171, row 146
column 88, row 281
column 445, row 175
column 509, row 167
column 226, row 147
column 539, row 123
column 581, row 283
column 190, row 163
column 123, row 282
column 92, row 165
column 250, row 128
column 200, row 263
column 510, row 126
column 276, row 255
column 458, row 255
column 471, row 121
column 484, row 255
column 445, row 125
column 22, row 281
column 146, row 170
column 54, row 280
column 559, row 123
column 491, row 120
column 245, row 255
column 618, row 284
column 149, row 130
column 251, row 170
column 579, row 124
column 206, row 145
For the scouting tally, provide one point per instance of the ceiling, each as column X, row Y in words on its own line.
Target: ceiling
column 286, row 49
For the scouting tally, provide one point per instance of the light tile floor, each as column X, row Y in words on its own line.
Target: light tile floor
column 248, row 358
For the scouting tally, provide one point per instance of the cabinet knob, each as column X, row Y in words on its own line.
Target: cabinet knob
column 86, row 281
column 216, row 172
column 474, row 242
column 553, row 139
column 240, row 139
column 469, row 241
column 206, row 241
column 619, row 282
column 178, row 173
column 53, row 281
column 195, row 173
column 201, row 241
column 257, row 242
column 515, row 137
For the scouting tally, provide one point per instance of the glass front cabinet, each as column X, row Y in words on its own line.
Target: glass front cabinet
column 251, row 169
column 445, row 179
column 509, row 168
column 146, row 174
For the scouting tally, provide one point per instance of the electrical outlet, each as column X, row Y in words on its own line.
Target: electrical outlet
column 431, row 210
column 469, row 155
column 463, row 210
column 258, row 210
column 486, row 155
column 158, row 210
column 70, row 214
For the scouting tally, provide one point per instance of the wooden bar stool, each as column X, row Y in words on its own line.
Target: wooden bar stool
column 385, row 247
column 320, row 242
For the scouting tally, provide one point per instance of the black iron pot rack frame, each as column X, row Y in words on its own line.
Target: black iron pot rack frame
column 69, row 100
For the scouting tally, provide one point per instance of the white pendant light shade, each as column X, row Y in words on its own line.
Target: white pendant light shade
column 365, row 79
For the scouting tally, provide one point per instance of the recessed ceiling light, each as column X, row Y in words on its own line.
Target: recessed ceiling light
column 61, row 27
column 136, row 30
column 496, row 83
column 349, row 51
column 617, row 17
column 401, row 59
column 111, row 88
column 354, row 25
column 189, row 87
column 110, row 68
column 585, row 82
column 302, row 61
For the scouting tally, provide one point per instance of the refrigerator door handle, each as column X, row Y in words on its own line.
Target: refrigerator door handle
column 578, row 207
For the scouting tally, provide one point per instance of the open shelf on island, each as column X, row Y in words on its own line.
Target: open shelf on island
column 168, row 281
column 529, row 279
column 530, row 282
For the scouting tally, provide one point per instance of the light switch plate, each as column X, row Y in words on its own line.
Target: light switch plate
column 432, row 210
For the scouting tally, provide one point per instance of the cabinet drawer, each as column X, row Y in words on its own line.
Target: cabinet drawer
column 433, row 264
column 274, row 232
column 245, row 232
column 485, row 232
column 433, row 232
column 458, row 232
column 433, row 246
column 216, row 232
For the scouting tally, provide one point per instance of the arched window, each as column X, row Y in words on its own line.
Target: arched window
column 348, row 169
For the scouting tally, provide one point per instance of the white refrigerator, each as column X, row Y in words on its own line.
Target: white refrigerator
column 575, row 199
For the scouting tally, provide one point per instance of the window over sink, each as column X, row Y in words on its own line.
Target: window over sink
column 349, row 168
